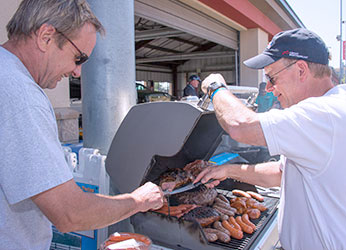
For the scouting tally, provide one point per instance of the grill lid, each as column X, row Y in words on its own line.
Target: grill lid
column 168, row 129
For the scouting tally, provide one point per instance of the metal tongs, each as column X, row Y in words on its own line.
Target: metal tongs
column 186, row 188
column 204, row 102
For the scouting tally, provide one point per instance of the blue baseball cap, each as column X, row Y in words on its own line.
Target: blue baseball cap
column 300, row 44
column 194, row 77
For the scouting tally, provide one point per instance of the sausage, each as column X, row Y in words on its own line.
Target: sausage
column 118, row 237
column 253, row 213
column 223, row 237
column 226, row 206
column 218, row 225
column 242, row 193
column 223, row 204
column 181, row 207
column 224, row 217
column 255, row 195
column 219, row 210
column 165, row 208
column 206, row 221
column 222, row 210
column 231, row 209
column 235, row 233
column 246, row 228
column 171, row 213
column 211, row 237
column 240, row 205
column 233, row 222
column 246, row 220
column 177, row 211
column 218, row 200
column 223, row 198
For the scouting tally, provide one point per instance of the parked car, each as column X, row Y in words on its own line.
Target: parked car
column 144, row 94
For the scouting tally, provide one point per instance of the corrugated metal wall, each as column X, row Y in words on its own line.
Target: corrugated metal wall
column 201, row 67
column 154, row 76
column 204, row 67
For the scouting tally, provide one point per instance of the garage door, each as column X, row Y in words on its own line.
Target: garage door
column 180, row 16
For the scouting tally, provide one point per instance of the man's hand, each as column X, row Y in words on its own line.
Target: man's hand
column 210, row 79
column 148, row 196
column 218, row 173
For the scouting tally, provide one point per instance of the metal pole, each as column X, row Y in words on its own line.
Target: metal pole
column 108, row 78
column 341, row 66
column 236, row 68
column 108, row 81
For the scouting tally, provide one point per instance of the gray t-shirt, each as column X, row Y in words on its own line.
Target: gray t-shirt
column 31, row 158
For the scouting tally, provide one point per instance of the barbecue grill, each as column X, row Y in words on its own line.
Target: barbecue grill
column 156, row 137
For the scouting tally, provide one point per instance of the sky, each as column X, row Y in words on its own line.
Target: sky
column 323, row 18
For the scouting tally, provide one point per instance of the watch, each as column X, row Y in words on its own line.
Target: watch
column 214, row 86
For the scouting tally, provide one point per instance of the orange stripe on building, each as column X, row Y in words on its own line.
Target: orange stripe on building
column 244, row 13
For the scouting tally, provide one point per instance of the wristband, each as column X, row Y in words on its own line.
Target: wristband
column 212, row 95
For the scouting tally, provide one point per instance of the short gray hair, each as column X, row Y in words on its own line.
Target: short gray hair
column 67, row 16
column 318, row 70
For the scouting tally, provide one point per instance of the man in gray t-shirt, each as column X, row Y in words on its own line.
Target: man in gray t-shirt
column 36, row 186
column 32, row 160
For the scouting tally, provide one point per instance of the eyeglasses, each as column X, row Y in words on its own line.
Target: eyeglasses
column 82, row 58
column 271, row 78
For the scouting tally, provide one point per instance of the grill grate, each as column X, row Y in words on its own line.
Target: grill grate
column 248, row 240
column 177, row 233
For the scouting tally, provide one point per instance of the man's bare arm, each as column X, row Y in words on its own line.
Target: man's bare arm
column 71, row 209
column 264, row 174
column 241, row 123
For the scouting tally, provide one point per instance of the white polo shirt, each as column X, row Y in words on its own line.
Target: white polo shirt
column 312, row 138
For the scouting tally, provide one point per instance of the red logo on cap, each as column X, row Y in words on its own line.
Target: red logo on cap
column 286, row 52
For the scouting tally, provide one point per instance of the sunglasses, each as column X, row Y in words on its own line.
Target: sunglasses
column 82, row 57
column 271, row 78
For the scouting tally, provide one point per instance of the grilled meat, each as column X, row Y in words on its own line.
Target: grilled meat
column 201, row 196
column 176, row 211
column 203, row 215
column 178, row 177
column 194, row 168
column 243, row 205
column 175, row 178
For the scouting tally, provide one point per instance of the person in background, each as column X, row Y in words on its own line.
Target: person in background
column 309, row 134
column 191, row 88
column 48, row 40
column 265, row 100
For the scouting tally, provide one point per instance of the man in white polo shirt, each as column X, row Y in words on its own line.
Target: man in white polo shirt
column 309, row 134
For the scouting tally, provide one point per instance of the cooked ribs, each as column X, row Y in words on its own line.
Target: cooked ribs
column 201, row 196
column 203, row 215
